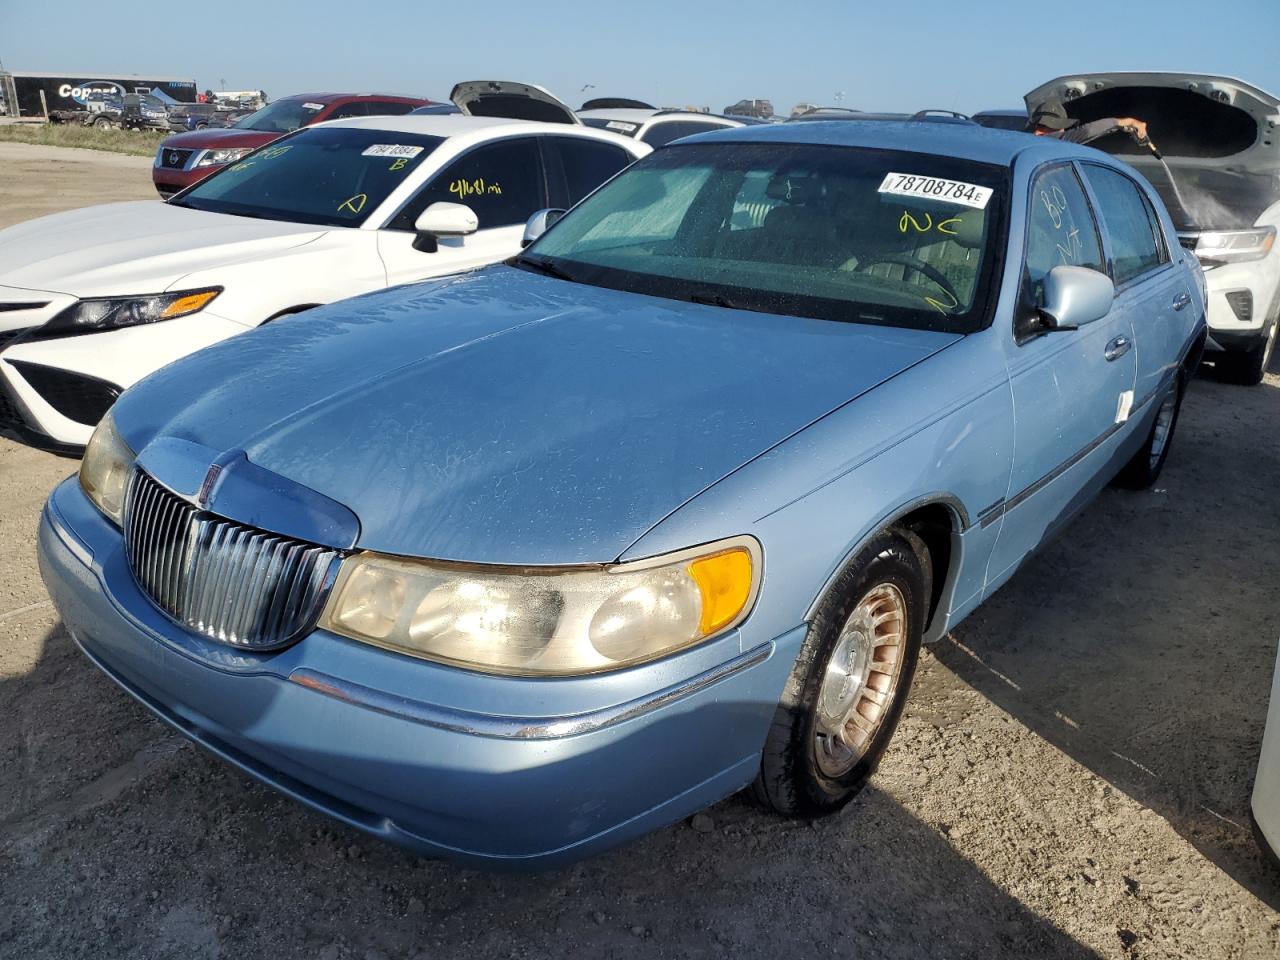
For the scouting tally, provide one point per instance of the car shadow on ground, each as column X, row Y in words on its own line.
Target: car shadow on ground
column 1141, row 643
column 119, row 838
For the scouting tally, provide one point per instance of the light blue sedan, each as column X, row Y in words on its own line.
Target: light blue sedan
column 518, row 565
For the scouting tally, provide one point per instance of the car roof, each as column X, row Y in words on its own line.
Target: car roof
column 964, row 141
column 328, row 98
column 459, row 124
column 627, row 114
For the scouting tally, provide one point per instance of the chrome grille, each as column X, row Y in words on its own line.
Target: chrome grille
column 224, row 580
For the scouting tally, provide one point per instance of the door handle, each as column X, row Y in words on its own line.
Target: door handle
column 1117, row 348
column 1181, row 300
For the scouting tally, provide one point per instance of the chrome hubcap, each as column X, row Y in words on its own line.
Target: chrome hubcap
column 861, row 680
column 1164, row 423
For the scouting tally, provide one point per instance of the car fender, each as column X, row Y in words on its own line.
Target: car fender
column 940, row 433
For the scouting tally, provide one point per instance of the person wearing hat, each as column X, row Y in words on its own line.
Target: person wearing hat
column 1050, row 120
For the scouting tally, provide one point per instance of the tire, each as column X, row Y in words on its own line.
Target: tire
column 1144, row 467
column 805, row 769
column 1248, row 367
column 103, row 123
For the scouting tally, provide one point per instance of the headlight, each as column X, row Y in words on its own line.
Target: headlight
column 1235, row 246
column 214, row 158
column 111, row 313
column 543, row 621
column 104, row 471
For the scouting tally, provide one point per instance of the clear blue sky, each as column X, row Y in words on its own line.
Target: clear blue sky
column 882, row 55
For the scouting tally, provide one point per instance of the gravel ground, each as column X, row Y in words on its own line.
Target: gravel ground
column 1071, row 778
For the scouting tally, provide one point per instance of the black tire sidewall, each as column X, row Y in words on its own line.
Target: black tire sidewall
column 893, row 558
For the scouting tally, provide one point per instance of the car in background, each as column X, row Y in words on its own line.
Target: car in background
column 194, row 116
column 129, row 111
column 761, row 109
column 655, row 127
column 1220, row 178
column 187, row 158
column 514, row 567
column 324, row 213
column 1001, row 119
column 846, row 113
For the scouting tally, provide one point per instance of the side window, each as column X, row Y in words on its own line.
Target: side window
column 663, row 132
column 1136, row 244
column 586, row 164
column 502, row 182
column 357, row 109
column 1060, row 228
column 387, row 108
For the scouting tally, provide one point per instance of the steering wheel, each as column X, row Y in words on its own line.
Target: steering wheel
column 913, row 263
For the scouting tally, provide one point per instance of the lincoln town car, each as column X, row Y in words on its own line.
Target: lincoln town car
column 514, row 566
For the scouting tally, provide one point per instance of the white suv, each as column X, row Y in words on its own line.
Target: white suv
column 1220, row 179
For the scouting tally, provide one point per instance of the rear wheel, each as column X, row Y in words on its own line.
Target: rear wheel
column 1144, row 468
column 850, row 681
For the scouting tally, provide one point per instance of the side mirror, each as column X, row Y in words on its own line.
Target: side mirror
column 539, row 224
column 442, row 219
column 1074, row 296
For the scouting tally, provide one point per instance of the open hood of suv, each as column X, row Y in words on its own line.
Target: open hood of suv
column 515, row 101
column 1194, row 119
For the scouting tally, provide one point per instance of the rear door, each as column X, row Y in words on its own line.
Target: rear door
column 503, row 181
column 1150, row 286
column 1071, row 389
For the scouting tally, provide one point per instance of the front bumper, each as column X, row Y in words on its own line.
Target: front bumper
column 53, row 392
column 492, row 770
column 169, row 181
column 1260, row 281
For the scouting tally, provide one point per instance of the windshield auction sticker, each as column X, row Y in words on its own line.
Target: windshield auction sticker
column 936, row 188
column 391, row 150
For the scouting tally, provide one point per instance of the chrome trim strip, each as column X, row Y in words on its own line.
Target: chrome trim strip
column 521, row 728
column 1028, row 492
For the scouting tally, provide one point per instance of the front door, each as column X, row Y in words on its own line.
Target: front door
column 1072, row 390
column 504, row 182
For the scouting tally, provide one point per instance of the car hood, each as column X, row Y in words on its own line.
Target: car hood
column 219, row 139
column 507, row 98
column 143, row 246
column 503, row 417
column 1195, row 119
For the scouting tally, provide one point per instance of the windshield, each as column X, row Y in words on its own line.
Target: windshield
column 624, row 127
column 283, row 116
column 331, row 176
column 837, row 233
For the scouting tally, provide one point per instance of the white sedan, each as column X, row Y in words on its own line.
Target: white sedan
column 93, row 300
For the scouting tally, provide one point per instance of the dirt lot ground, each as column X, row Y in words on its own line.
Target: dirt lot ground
column 1071, row 778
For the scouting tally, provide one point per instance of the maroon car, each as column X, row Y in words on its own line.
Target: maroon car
column 187, row 157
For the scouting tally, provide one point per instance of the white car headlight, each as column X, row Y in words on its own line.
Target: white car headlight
column 540, row 621
column 215, row 158
column 1235, row 246
column 112, row 313
column 104, row 471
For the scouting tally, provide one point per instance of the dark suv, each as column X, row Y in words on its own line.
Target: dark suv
column 186, row 158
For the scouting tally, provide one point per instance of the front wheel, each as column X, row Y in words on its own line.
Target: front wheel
column 849, row 683
column 1248, row 367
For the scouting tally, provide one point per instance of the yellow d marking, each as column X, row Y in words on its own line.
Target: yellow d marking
column 354, row 204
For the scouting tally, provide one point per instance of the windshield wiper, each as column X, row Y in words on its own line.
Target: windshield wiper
column 545, row 267
column 719, row 300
